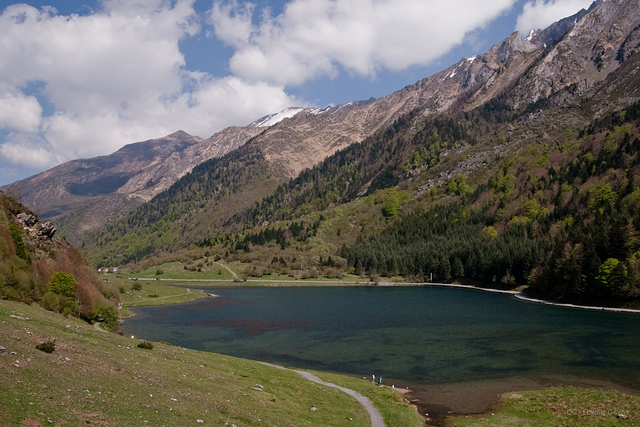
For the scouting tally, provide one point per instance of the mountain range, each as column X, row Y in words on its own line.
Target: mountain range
column 83, row 195
column 492, row 132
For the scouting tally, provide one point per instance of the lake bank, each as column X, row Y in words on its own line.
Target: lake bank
column 438, row 401
column 101, row 378
column 306, row 282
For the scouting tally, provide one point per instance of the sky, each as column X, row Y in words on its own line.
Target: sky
column 79, row 79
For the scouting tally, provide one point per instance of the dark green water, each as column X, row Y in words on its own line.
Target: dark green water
column 413, row 334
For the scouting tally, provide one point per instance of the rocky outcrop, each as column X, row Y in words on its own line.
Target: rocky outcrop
column 40, row 236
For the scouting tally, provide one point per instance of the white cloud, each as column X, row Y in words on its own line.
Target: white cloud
column 23, row 150
column 111, row 77
column 313, row 38
column 230, row 100
column 232, row 22
column 19, row 112
column 539, row 14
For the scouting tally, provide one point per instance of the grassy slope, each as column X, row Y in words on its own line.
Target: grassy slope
column 562, row 406
column 105, row 379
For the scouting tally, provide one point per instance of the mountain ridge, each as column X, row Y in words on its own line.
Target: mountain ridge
column 307, row 136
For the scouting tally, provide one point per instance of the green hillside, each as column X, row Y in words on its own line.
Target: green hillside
column 561, row 216
column 478, row 197
column 38, row 266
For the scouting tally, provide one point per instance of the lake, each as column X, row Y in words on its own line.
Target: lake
column 408, row 335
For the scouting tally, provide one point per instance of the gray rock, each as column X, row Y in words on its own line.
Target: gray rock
column 28, row 220
column 47, row 229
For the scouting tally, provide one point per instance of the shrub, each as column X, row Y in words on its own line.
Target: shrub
column 146, row 345
column 63, row 284
column 137, row 287
column 70, row 308
column 47, row 346
column 51, row 302
column 109, row 316
column 9, row 293
column 21, row 248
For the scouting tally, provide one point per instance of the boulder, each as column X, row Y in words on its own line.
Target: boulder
column 47, row 230
column 28, row 220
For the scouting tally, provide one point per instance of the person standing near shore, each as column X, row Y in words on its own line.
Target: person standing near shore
column 380, row 381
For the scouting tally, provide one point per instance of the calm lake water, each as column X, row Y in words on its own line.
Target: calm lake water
column 415, row 335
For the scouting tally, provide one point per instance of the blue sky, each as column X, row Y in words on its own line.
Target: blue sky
column 80, row 79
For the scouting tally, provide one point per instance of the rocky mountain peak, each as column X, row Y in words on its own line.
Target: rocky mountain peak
column 586, row 54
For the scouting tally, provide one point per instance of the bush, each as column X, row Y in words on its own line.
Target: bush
column 146, row 345
column 108, row 315
column 137, row 287
column 63, row 284
column 47, row 346
column 51, row 302
column 9, row 293
column 21, row 248
column 70, row 308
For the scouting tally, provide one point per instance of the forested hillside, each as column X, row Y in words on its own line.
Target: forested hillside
column 461, row 201
column 194, row 207
column 562, row 216
column 38, row 266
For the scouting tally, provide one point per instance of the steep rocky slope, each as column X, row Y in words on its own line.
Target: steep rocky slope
column 37, row 265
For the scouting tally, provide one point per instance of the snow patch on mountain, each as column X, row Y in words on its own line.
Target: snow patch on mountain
column 273, row 119
column 531, row 35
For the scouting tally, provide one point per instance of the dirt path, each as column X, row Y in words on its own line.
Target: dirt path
column 374, row 414
column 235, row 276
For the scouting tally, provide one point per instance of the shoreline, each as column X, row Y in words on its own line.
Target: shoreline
column 436, row 402
column 516, row 294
